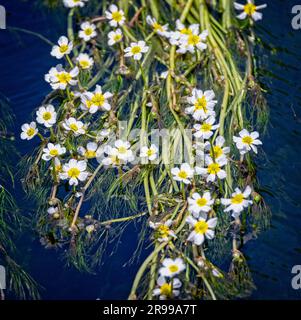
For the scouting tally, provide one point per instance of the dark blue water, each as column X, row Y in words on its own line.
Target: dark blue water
column 25, row 59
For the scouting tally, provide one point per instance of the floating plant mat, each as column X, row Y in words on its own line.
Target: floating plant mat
column 153, row 118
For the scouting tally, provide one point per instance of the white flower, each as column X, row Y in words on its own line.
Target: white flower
column 158, row 28
column 205, row 130
column 73, row 171
column 167, row 290
column 64, row 47
column 29, row 131
column 193, row 41
column 114, row 37
column 200, row 203
column 247, row 141
column 90, row 152
column 164, row 74
column 74, row 3
column 184, row 174
column 218, row 150
column 53, row 151
column 90, row 228
column 150, row 153
column 174, row 36
column 59, row 78
column 249, row 10
column 87, row 31
column 84, row 61
column 46, row 115
column 171, row 267
column 201, row 229
column 238, row 201
column 115, row 16
column 213, row 169
column 162, row 229
column 202, row 104
column 112, row 158
column 77, row 127
column 96, row 100
column 136, row 49
column 124, row 151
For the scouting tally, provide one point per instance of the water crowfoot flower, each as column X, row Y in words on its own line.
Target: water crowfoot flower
column 74, row 3
column 200, row 204
column 158, row 28
column 96, row 100
column 218, row 149
column 136, row 49
column 28, row 131
column 247, row 141
column 163, row 232
column 150, row 153
column 90, row 152
column 201, row 229
column 52, row 151
column 87, row 31
column 238, row 202
column 114, row 37
column 112, row 158
column 205, row 130
column 202, row 104
column 124, row 151
column 63, row 48
column 167, row 290
column 75, row 126
column 46, row 115
column 74, row 171
column 183, row 174
column 213, row 170
column 115, row 16
column 171, row 267
column 193, row 41
column 249, row 10
column 85, row 61
column 59, row 78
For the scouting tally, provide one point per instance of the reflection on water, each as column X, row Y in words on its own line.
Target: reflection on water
column 23, row 62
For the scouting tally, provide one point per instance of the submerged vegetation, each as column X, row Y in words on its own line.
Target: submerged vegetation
column 152, row 118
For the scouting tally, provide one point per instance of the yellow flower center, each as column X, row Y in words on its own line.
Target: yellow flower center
column 216, row 152
column 163, row 231
column 173, row 268
column 30, row 132
column 89, row 154
column 186, row 31
column 73, row 127
column 166, row 290
column 201, row 104
column 88, row 31
column 237, row 199
column 150, row 152
column 47, row 115
column 201, row 202
column 201, row 227
column 213, row 168
column 206, row 127
column 64, row 77
column 117, row 16
column 98, row 99
column 58, row 168
column 250, row 9
column 122, row 149
column 158, row 27
column 183, row 174
column 193, row 39
column 84, row 64
column 117, row 37
column 73, row 172
column 54, row 152
column 64, row 48
column 136, row 50
column 247, row 140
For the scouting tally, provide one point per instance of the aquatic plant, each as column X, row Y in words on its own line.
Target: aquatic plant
column 182, row 73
